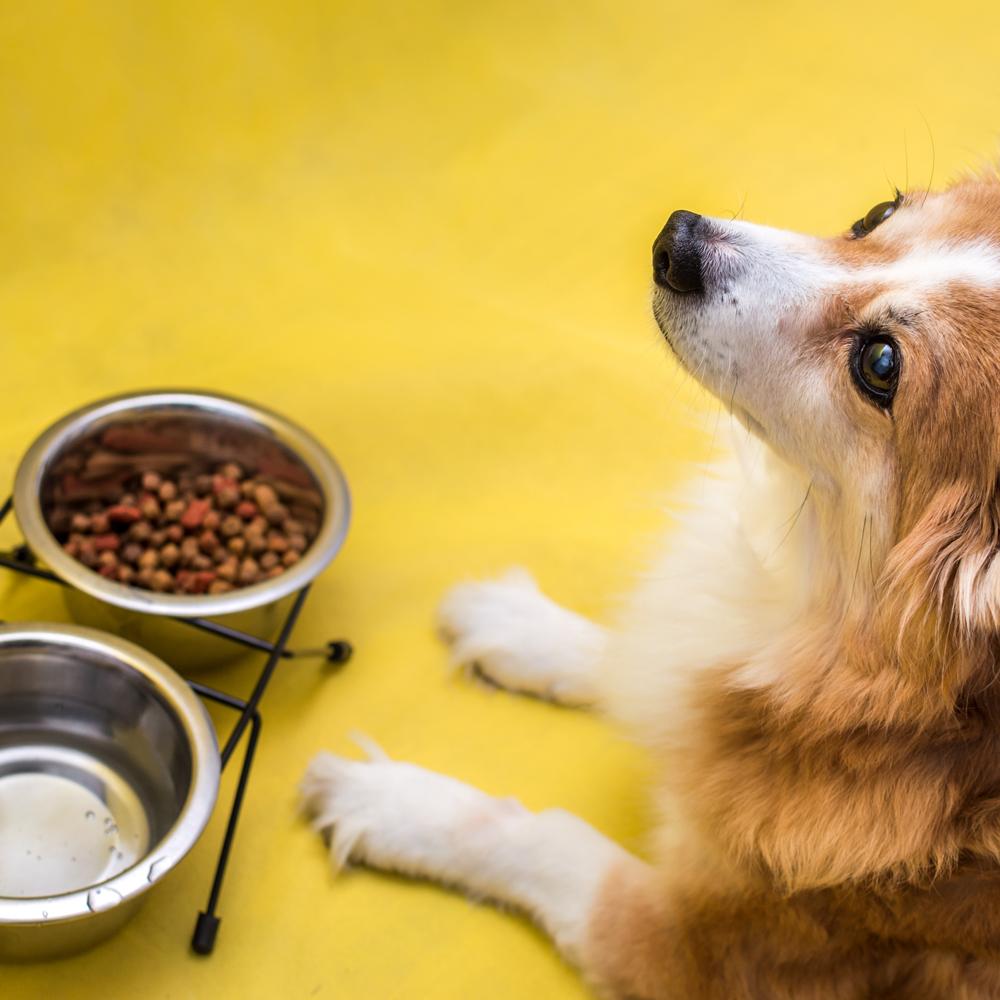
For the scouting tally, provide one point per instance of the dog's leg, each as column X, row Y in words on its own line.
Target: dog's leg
column 514, row 635
column 399, row 817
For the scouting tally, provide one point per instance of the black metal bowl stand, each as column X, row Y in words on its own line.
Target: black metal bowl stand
column 248, row 721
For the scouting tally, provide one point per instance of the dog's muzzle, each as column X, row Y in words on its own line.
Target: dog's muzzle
column 677, row 254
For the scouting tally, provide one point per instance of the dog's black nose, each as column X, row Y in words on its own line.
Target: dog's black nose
column 677, row 254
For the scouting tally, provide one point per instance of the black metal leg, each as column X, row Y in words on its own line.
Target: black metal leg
column 233, row 635
column 15, row 561
column 265, row 675
column 207, row 925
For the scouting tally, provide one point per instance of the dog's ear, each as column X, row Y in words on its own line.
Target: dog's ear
column 943, row 575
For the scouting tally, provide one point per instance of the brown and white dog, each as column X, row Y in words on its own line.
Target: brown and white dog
column 813, row 663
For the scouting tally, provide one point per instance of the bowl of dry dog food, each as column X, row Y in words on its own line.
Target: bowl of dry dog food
column 164, row 505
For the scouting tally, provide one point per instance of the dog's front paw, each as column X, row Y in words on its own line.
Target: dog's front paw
column 397, row 816
column 516, row 637
column 402, row 818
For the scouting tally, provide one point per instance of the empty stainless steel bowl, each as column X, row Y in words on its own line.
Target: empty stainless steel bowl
column 109, row 770
column 204, row 428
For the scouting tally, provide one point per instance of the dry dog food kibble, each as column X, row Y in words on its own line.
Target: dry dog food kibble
column 190, row 534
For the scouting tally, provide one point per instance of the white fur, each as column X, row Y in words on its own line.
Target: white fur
column 737, row 573
column 975, row 263
column 401, row 818
column 509, row 631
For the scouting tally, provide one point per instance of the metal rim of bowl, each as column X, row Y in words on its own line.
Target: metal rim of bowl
column 330, row 478
column 201, row 797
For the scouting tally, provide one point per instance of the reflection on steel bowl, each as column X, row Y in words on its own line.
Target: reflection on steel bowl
column 94, row 454
column 109, row 771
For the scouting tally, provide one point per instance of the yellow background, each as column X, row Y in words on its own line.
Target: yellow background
column 422, row 230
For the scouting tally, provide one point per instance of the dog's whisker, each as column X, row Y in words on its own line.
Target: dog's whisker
column 930, row 135
column 857, row 564
column 871, row 568
column 906, row 160
column 732, row 400
column 794, row 518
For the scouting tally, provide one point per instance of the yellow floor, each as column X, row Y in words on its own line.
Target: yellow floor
column 423, row 231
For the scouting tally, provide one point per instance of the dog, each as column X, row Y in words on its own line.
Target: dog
column 811, row 663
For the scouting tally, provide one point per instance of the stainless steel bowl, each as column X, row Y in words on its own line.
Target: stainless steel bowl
column 200, row 427
column 109, row 770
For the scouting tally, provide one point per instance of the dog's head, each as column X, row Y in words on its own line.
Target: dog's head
column 871, row 361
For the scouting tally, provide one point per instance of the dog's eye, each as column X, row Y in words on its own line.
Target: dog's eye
column 876, row 216
column 876, row 368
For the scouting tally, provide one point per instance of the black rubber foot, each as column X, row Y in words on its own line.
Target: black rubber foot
column 339, row 651
column 24, row 555
column 205, row 929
